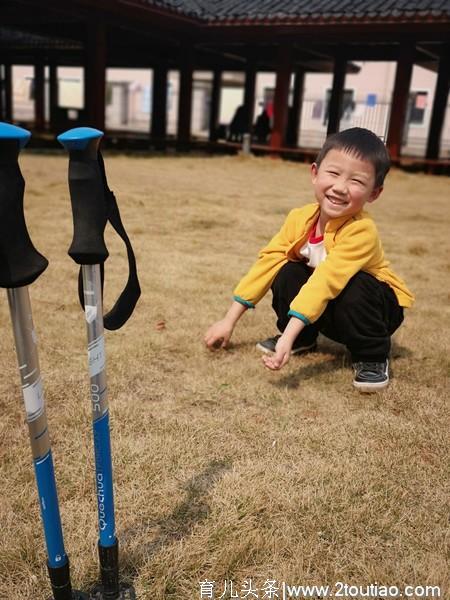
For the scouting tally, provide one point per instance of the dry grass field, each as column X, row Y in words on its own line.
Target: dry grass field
column 225, row 471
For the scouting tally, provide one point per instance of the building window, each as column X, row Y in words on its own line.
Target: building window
column 417, row 104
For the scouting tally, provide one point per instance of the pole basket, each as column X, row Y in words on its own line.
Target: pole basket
column 126, row 592
column 111, row 588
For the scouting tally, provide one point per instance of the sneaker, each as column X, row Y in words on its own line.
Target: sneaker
column 268, row 346
column 371, row 376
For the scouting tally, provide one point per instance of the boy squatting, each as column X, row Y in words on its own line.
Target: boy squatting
column 326, row 268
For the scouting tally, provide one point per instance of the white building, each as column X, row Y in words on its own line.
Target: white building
column 367, row 99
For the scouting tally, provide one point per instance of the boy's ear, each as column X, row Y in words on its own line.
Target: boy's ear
column 314, row 171
column 375, row 193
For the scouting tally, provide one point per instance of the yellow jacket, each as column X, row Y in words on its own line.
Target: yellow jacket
column 352, row 244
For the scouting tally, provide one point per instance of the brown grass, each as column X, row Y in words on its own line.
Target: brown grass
column 223, row 470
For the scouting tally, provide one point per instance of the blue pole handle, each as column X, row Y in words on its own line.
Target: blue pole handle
column 87, row 195
column 20, row 262
column 18, row 135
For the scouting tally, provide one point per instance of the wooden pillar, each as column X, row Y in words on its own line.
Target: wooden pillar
column 8, row 93
column 2, row 94
column 281, row 99
column 215, row 105
column 39, row 96
column 296, row 110
column 249, row 97
column 439, row 107
column 337, row 95
column 185, row 99
column 95, row 75
column 53, row 90
column 399, row 101
column 159, row 106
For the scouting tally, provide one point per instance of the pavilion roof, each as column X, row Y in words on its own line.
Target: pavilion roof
column 269, row 11
column 229, row 34
column 17, row 40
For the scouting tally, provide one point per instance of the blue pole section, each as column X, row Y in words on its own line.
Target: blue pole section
column 48, row 500
column 20, row 265
column 103, row 469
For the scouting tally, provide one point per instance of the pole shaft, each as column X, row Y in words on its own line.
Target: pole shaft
column 100, row 413
column 33, row 395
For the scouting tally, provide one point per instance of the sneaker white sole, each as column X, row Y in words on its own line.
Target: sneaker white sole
column 260, row 347
column 301, row 350
column 370, row 388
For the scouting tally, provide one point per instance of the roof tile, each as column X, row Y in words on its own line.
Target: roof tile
column 213, row 10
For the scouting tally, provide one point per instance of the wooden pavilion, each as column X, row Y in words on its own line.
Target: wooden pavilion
column 282, row 36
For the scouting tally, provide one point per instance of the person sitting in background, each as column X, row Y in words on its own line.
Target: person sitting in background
column 238, row 125
column 262, row 129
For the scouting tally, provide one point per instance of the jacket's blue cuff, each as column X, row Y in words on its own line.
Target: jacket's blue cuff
column 305, row 320
column 244, row 302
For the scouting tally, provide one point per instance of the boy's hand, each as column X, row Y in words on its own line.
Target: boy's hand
column 284, row 345
column 281, row 357
column 218, row 335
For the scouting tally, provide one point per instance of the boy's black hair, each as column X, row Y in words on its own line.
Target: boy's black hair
column 361, row 143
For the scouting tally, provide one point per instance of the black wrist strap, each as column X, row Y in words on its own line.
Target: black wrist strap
column 126, row 302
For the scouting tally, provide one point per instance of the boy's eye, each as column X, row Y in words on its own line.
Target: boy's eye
column 332, row 172
column 358, row 181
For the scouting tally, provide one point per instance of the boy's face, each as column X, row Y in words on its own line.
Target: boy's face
column 343, row 184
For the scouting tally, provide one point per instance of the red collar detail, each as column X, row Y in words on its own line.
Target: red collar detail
column 313, row 239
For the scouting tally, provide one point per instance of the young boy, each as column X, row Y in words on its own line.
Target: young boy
column 326, row 267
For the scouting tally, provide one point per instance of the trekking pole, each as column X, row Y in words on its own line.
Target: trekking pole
column 20, row 265
column 90, row 214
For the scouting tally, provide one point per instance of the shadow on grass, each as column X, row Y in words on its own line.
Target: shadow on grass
column 398, row 351
column 178, row 524
column 312, row 370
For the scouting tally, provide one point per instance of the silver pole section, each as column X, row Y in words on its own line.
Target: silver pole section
column 30, row 375
column 93, row 310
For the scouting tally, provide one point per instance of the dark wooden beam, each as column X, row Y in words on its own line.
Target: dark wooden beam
column 95, row 75
column 439, row 107
column 39, row 96
column 53, row 89
column 399, row 101
column 8, row 92
column 281, row 98
column 337, row 94
column 185, row 99
column 249, row 96
column 296, row 109
column 368, row 50
column 214, row 109
column 2, row 95
column 315, row 32
column 159, row 105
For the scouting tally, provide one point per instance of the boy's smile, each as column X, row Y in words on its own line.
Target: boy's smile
column 343, row 183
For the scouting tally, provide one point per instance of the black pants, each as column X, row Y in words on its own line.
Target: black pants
column 363, row 317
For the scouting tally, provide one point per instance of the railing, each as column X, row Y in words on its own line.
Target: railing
column 313, row 125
